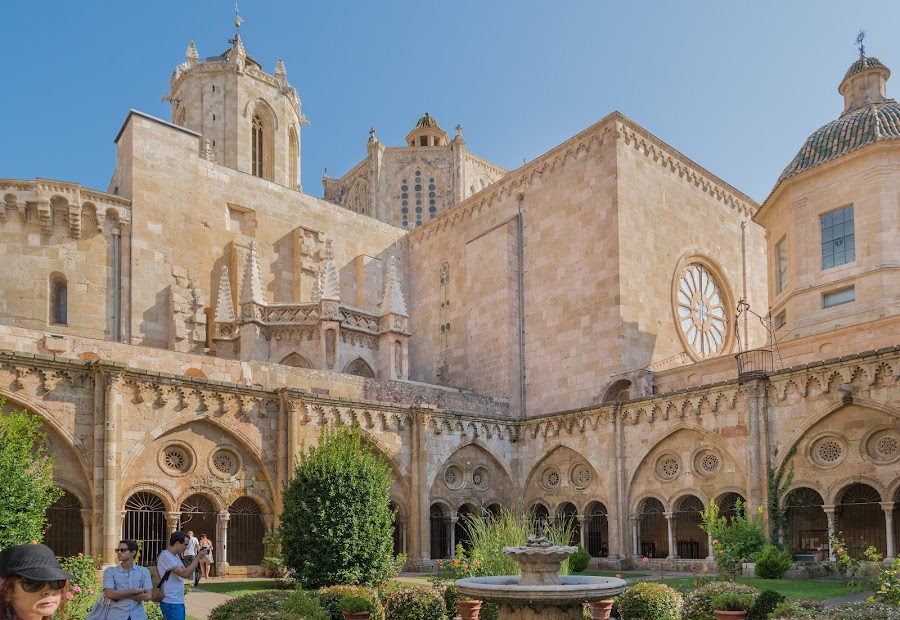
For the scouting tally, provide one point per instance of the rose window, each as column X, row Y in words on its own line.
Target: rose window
column 480, row 479
column 225, row 462
column 829, row 451
column 709, row 463
column 886, row 447
column 581, row 476
column 668, row 468
column 175, row 459
column 700, row 311
column 551, row 478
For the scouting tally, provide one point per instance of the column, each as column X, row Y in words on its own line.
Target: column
column 888, row 508
column 404, row 536
column 580, row 519
column 111, row 413
column 635, row 538
column 86, row 521
column 453, row 521
column 829, row 512
column 174, row 520
column 670, row 523
column 221, row 555
column 709, row 545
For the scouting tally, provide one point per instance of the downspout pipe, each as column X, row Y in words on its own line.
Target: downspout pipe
column 520, row 246
column 117, row 284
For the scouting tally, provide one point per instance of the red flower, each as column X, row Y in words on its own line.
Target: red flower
column 80, row 555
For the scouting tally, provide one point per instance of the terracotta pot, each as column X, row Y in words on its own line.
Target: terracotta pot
column 600, row 610
column 267, row 572
column 469, row 610
column 356, row 615
column 729, row 615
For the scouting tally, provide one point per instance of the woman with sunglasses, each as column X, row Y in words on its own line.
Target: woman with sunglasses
column 32, row 583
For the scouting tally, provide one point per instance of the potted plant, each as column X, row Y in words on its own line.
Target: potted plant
column 270, row 564
column 732, row 605
column 355, row 608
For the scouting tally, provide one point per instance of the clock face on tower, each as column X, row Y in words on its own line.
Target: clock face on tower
column 700, row 311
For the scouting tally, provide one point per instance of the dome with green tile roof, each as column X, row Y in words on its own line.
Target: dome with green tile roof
column 868, row 117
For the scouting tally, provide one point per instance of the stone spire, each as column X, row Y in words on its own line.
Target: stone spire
column 393, row 302
column 237, row 55
column 251, row 287
column 225, row 301
column 317, row 288
column 192, row 57
column 331, row 286
column 280, row 73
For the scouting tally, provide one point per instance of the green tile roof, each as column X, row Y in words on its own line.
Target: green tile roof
column 866, row 125
column 865, row 62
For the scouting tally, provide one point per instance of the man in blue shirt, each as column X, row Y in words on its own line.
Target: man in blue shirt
column 126, row 585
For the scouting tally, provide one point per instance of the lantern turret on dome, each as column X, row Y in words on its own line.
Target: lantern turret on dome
column 427, row 133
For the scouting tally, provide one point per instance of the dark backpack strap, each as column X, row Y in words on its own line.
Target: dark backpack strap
column 163, row 580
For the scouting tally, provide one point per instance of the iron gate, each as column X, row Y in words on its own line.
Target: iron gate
column 65, row 529
column 245, row 533
column 597, row 538
column 145, row 520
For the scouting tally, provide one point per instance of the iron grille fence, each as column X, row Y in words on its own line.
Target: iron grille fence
column 245, row 533
column 145, row 520
column 597, row 534
column 440, row 533
column 65, row 530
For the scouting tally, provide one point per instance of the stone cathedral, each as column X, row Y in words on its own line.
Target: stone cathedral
column 608, row 334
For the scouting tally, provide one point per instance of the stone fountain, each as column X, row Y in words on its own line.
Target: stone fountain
column 540, row 593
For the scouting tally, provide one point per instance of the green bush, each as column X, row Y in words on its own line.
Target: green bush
column 579, row 560
column 306, row 605
column 772, row 562
column 251, row 606
column 26, row 470
column 415, row 604
column 451, row 599
column 766, row 602
column 805, row 610
column 797, row 609
column 336, row 526
column 647, row 599
column 698, row 604
column 332, row 596
column 736, row 540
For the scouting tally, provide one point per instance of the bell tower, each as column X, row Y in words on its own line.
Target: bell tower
column 250, row 120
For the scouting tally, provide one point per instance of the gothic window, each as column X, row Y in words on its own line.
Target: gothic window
column 59, row 300
column 293, row 160
column 296, row 360
column 257, row 132
column 358, row 198
column 838, row 240
column 781, row 265
column 359, row 368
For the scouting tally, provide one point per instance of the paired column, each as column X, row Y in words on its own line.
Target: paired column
column 635, row 537
column 829, row 512
column 112, row 407
column 580, row 519
column 453, row 521
column 173, row 519
column 221, row 555
column 888, row 508
column 670, row 523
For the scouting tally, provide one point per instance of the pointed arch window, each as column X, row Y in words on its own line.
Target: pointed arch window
column 257, row 132
column 59, row 300
column 293, row 160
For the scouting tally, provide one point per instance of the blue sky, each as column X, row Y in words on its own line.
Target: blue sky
column 736, row 87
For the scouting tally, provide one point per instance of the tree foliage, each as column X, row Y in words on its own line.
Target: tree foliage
column 337, row 527
column 26, row 472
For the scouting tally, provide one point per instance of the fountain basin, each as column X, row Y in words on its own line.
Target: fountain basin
column 510, row 591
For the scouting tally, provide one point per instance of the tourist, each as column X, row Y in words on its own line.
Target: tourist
column 206, row 561
column 32, row 583
column 191, row 552
column 172, row 573
column 126, row 585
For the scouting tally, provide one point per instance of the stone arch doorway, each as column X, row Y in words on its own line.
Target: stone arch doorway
column 568, row 513
column 860, row 519
column 199, row 516
column 691, row 542
column 440, row 532
column 597, row 530
column 653, row 532
column 245, row 532
column 65, row 528
column 806, row 525
column 145, row 520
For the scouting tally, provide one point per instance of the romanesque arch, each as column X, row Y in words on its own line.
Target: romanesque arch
column 65, row 532
column 440, row 528
column 471, row 474
column 596, row 526
column 565, row 474
column 806, row 524
column 690, row 541
column 652, row 529
column 146, row 520
column 860, row 519
column 246, row 527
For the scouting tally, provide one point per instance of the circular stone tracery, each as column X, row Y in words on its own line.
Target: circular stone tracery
column 175, row 459
column 700, row 311
column 827, row 452
column 581, row 476
column 453, row 477
column 709, row 463
column 225, row 462
column 550, row 478
column 667, row 467
column 481, row 479
column 886, row 447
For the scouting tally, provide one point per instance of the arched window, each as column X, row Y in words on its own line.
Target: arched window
column 463, row 515
column 692, row 543
column 145, row 519
column 296, row 360
column 257, row 133
column 653, row 530
column 293, row 160
column 860, row 519
column 358, row 198
column 568, row 513
column 597, row 531
column 59, row 300
column 359, row 368
column 245, row 533
column 199, row 516
column 728, row 505
column 806, row 529
column 65, row 529
column 440, row 532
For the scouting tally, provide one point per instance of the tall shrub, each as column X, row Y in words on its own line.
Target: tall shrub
column 737, row 540
column 337, row 527
column 27, row 474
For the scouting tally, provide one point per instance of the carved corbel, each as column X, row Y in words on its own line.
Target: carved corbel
column 45, row 217
column 75, row 221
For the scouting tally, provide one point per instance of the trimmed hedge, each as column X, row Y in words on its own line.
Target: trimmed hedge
column 650, row 600
column 698, row 604
column 415, row 604
column 332, row 595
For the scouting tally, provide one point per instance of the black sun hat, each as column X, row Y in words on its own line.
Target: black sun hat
column 32, row 561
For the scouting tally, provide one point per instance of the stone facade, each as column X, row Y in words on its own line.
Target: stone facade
column 560, row 338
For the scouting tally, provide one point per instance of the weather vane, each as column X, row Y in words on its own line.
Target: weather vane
column 859, row 41
column 237, row 23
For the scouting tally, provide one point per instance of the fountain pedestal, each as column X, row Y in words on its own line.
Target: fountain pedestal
column 540, row 593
